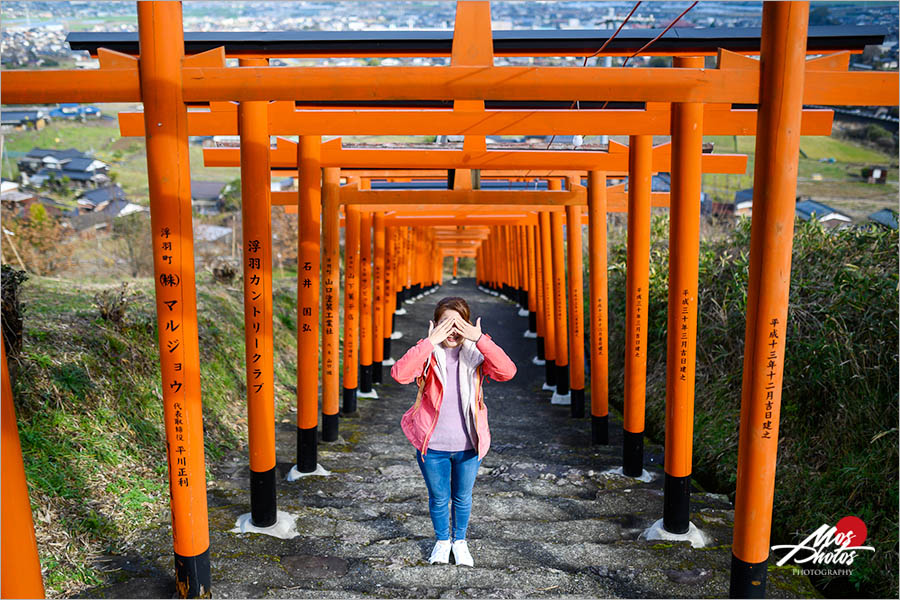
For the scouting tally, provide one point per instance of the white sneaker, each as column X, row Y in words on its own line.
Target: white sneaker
column 441, row 552
column 461, row 553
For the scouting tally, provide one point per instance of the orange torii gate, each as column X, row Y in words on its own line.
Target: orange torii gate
column 616, row 160
column 165, row 80
column 283, row 156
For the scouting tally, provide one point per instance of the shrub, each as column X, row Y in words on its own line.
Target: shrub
column 838, row 439
column 11, row 281
column 224, row 271
column 113, row 303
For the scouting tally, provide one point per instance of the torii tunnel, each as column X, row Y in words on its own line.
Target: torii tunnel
column 400, row 224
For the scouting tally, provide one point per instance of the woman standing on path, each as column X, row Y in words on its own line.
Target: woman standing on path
column 448, row 422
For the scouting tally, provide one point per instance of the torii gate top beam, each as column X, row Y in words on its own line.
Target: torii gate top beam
column 284, row 156
column 202, row 82
column 290, row 44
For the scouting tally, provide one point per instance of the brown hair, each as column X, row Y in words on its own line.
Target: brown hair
column 452, row 303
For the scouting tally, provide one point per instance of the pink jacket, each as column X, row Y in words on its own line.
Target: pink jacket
column 475, row 362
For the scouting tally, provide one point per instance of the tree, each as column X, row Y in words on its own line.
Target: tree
column 135, row 246
column 284, row 238
column 40, row 240
column 231, row 196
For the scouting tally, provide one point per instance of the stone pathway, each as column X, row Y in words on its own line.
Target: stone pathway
column 545, row 520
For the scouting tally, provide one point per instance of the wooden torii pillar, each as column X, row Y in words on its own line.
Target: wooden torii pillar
column 379, row 301
column 331, row 284
column 168, row 176
column 309, row 203
column 195, row 81
column 20, row 571
column 366, row 337
column 782, row 91
column 256, row 235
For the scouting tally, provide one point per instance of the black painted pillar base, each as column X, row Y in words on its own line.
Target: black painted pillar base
column 577, row 404
column 377, row 372
column 677, row 504
column 599, row 430
column 392, row 326
column 562, row 379
column 399, row 300
column 307, row 449
column 540, row 347
column 386, row 347
column 748, row 580
column 349, row 401
column 329, row 428
column 550, row 370
column 263, row 507
column 524, row 301
column 633, row 453
column 192, row 576
column 365, row 378
column 532, row 321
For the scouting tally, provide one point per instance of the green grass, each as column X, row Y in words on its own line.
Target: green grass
column 838, row 440
column 64, row 134
column 815, row 147
column 90, row 414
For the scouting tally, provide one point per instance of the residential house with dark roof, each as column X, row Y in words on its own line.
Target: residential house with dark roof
column 206, row 196
column 40, row 158
column 18, row 120
column 97, row 208
column 743, row 203
column 810, row 209
column 40, row 166
column 91, row 199
column 885, row 217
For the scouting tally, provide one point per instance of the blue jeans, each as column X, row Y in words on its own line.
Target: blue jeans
column 449, row 476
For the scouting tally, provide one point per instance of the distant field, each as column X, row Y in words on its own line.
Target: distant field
column 838, row 184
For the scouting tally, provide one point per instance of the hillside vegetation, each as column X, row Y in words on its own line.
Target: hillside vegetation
column 90, row 413
column 837, row 452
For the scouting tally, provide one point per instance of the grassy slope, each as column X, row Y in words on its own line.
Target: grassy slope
column 838, row 439
column 90, row 413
